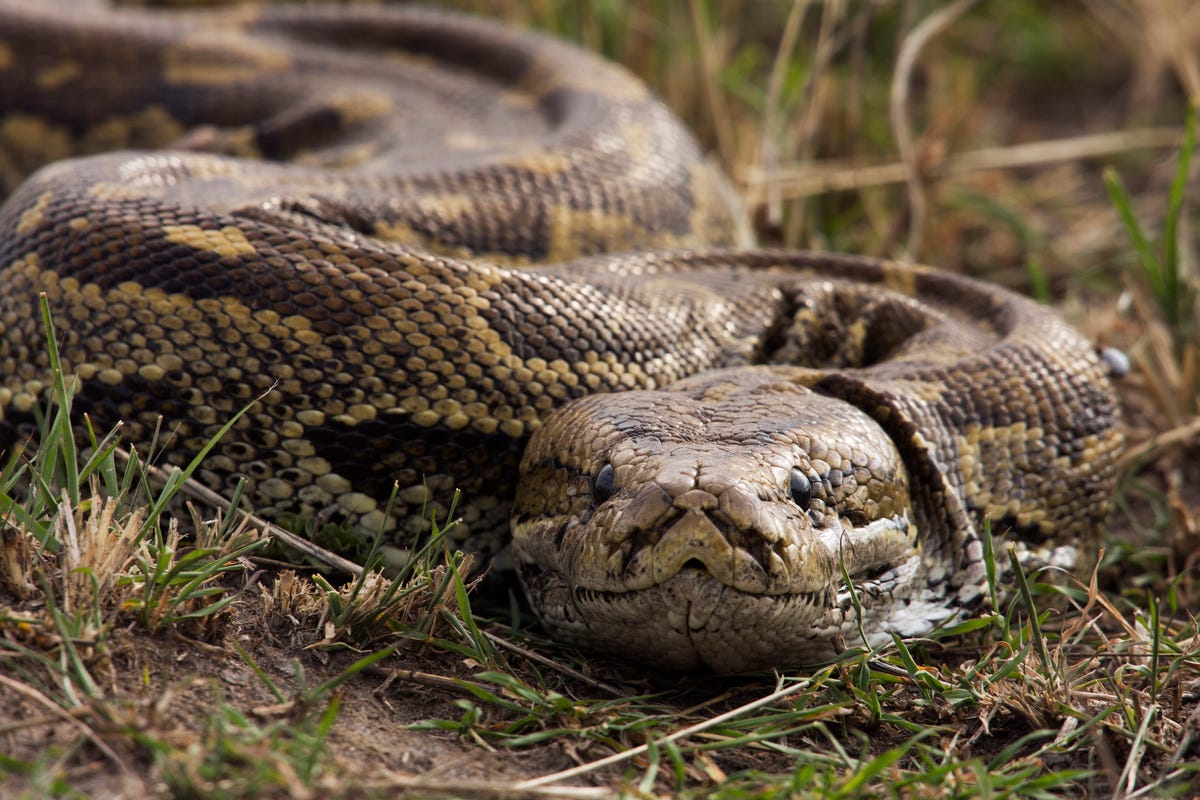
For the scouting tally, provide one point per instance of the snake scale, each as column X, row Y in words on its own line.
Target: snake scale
column 465, row 257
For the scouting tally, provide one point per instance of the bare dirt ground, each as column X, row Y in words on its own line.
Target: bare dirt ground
column 169, row 687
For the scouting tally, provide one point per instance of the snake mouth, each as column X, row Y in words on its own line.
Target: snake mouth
column 698, row 571
column 692, row 620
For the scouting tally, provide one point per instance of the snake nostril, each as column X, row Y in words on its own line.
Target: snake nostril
column 696, row 500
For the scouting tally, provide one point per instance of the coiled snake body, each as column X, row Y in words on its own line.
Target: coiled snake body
column 403, row 222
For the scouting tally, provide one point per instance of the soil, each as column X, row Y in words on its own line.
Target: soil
column 168, row 687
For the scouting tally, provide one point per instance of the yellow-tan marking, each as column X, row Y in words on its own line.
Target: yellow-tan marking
column 55, row 77
column 228, row 242
column 192, row 61
column 32, row 216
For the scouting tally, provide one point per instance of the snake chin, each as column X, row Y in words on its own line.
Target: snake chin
column 691, row 621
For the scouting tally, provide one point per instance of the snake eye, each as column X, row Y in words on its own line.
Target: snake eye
column 603, row 484
column 801, row 488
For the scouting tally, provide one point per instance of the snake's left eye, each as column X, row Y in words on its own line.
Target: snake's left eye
column 801, row 488
column 603, row 484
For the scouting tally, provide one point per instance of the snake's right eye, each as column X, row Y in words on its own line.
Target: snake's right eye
column 603, row 484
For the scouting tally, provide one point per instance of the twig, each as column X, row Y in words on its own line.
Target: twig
column 198, row 491
column 37, row 722
column 1180, row 435
column 429, row 679
column 691, row 730
column 829, row 41
column 803, row 180
column 554, row 665
column 716, row 106
column 770, row 146
column 201, row 492
column 1087, row 146
column 906, row 61
column 67, row 716
column 490, row 790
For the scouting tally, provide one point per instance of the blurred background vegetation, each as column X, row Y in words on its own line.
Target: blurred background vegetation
column 826, row 114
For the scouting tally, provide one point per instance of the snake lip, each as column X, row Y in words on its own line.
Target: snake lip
column 693, row 620
column 582, row 596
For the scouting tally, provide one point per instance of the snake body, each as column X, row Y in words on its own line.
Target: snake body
column 450, row 254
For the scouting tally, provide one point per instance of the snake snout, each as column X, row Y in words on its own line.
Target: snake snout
column 730, row 534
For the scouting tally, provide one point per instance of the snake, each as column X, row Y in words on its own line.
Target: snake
column 410, row 253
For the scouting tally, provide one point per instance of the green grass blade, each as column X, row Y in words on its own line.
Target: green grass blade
column 1124, row 205
column 1026, row 594
column 1170, row 244
column 62, row 399
column 177, row 477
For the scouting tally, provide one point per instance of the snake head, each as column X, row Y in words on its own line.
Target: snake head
column 710, row 524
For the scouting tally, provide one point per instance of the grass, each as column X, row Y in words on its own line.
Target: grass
column 139, row 661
